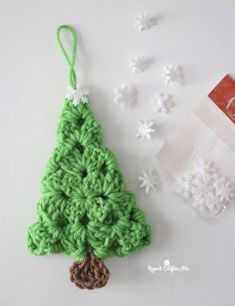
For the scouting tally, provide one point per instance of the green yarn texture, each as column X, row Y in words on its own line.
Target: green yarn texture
column 85, row 206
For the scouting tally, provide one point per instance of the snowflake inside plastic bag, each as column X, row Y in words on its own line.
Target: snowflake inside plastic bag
column 205, row 188
column 200, row 154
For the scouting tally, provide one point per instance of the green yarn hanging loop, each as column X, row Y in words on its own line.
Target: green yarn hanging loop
column 71, row 61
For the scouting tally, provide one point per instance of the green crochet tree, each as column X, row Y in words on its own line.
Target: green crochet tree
column 85, row 210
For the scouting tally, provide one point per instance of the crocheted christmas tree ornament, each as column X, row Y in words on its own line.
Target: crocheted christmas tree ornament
column 85, row 210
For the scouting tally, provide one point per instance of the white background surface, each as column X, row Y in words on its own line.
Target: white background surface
column 199, row 36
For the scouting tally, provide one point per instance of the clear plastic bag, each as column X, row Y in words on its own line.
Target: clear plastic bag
column 200, row 155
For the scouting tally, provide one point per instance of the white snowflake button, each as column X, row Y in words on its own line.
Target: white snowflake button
column 145, row 129
column 173, row 75
column 77, row 95
column 204, row 167
column 149, row 180
column 224, row 190
column 185, row 185
column 138, row 64
column 162, row 103
column 124, row 96
column 144, row 21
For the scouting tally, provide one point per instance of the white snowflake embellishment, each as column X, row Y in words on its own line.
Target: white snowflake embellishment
column 138, row 64
column 224, row 190
column 149, row 180
column 144, row 21
column 208, row 191
column 124, row 96
column 162, row 103
column 77, row 95
column 145, row 129
column 185, row 185
column 204, row 167
column 173, row 75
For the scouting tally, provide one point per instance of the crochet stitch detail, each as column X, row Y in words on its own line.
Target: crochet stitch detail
column 90, row 273
column 85, row 207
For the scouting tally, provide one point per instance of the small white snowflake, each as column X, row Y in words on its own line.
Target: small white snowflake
column 149, row 180
column 173, row 75
column 145, row 129
column 225, row 191
column 70, row 93
column 124, row 96
column 185, row 186
column 144, row 21
column 162, row 103
column 211, row 201
column 77, row 95
column 204, row 167
column 138, row 64
column 219, row 180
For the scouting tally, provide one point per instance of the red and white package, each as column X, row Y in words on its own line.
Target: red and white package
column 200, row 153
column 223, row 95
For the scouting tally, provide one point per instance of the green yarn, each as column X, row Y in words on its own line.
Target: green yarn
column 84, row 206
column 71, row 62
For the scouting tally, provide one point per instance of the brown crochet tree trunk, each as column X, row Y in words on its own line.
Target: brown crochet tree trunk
column 90, row 273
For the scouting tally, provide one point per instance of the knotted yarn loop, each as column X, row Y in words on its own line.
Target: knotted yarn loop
column 70, row 60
